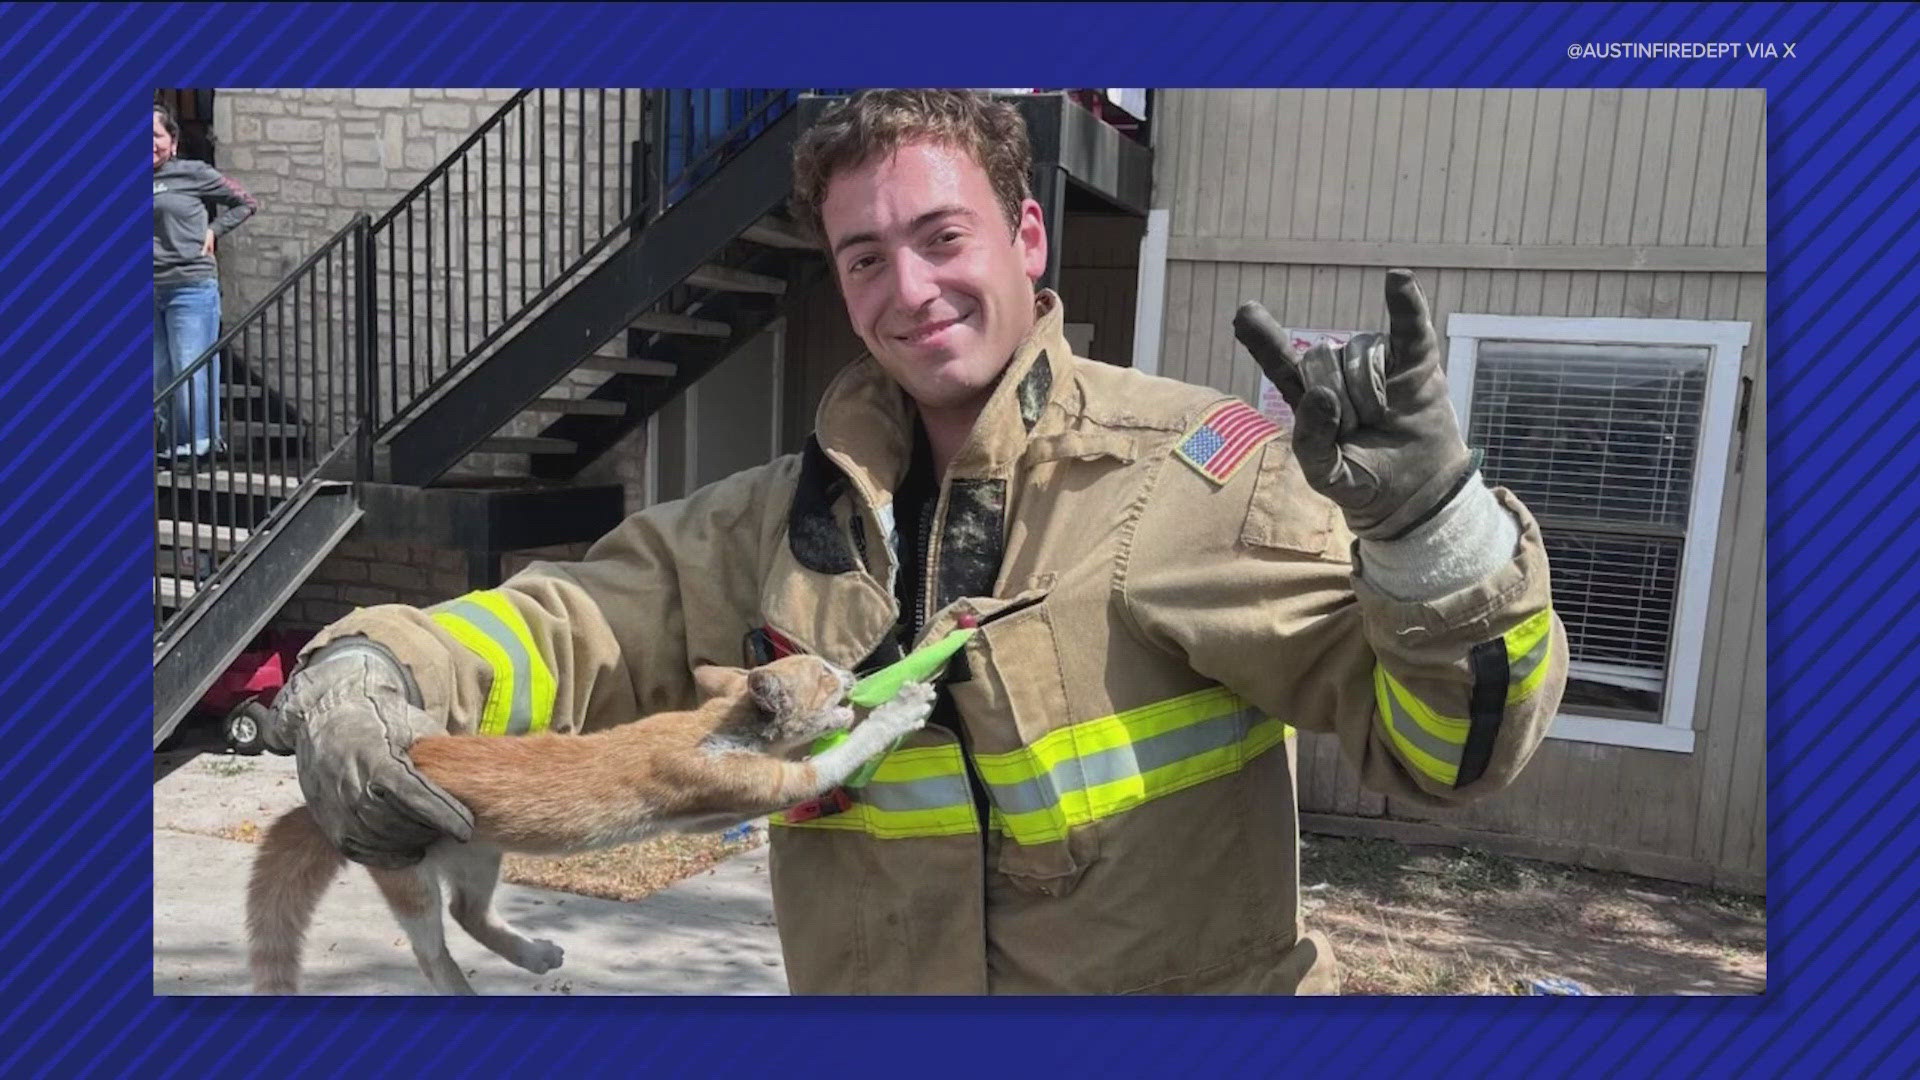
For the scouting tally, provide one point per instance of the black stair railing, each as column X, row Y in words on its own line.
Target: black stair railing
column 279, row 389
column 505, row 222
column 520, row 208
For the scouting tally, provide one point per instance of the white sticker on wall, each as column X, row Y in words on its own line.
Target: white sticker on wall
column 1271, row 404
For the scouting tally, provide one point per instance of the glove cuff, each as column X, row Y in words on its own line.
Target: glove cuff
column 281, row 733
column 1466, row 540
column 358, row 645
column 1426, row 503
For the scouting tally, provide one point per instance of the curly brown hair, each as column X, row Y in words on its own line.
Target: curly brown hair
column 873, row 123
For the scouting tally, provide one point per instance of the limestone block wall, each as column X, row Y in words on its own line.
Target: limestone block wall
column 483, row 243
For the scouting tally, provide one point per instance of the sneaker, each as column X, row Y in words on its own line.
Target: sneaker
column 189, row 456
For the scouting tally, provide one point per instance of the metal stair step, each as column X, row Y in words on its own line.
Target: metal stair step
column 173, row 591
column 666, row 322
column 769, row 232
column 728, row 279
column 225, row 480
column 199, row 534
column 526, row 444
column 263, row 429
column 578, row 406
column 626, row 365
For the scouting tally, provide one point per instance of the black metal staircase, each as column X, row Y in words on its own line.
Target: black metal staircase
column 237, row 530
column 702, row 271
column 628, row 239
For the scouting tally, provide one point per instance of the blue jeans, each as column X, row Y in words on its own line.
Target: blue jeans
column 186, row 322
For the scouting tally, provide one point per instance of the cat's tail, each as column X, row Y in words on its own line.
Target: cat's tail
column 295, row 865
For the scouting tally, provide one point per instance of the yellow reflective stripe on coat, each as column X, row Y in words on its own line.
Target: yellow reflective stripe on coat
column 521, row 695
column 1098, row 768
column 1433, row 742
column 916, row 791
column 1430, row 742
column 1527, row 647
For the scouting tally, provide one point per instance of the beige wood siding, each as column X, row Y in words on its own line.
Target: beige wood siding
column 1636, row 203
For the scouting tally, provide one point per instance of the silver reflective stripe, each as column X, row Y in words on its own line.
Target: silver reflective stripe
column 932, row 793
column 1410, row 729
column 1518, row 671
column 1122, row 762
column 520, row 716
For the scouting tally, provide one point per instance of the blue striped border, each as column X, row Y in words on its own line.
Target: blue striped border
column 75, row 901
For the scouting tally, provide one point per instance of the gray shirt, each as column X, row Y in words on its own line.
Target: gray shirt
column 181, row 191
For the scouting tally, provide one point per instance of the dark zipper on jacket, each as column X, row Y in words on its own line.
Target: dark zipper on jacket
column 982, row 803
column 929, row 580
column 926, row 509
column 923, row 552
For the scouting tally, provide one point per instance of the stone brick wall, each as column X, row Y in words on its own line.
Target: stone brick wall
column 362, row 573
column 315, row 157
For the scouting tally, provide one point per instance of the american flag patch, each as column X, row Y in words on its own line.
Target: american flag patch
column 1225, row 439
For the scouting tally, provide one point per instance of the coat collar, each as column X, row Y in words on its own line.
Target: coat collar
column 865, row 421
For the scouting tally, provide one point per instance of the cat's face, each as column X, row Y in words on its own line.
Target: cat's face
column 803, row 697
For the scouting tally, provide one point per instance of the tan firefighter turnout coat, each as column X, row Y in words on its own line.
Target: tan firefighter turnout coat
column 1159, row 612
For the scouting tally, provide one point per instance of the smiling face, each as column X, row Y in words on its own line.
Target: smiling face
column 935, row 282
column 164, row 146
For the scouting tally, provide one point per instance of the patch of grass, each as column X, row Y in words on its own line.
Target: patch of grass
column 1395, row 965
column 1345, row 863
column 1434, row 920
column 1472, row 870
column 231, row 765
column 629, row 872
column 1740, row 905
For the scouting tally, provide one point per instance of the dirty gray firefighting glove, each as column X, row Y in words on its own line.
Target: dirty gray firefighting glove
column 1373, row 429
column 348, row 715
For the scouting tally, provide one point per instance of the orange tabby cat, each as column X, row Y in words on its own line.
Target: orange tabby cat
column 702, row 770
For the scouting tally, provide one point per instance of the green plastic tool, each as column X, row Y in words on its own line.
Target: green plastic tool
column 880, row 687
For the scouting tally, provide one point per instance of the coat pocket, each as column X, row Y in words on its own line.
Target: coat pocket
column 1287, row 514
column 1012, row 692
column 1014, row 705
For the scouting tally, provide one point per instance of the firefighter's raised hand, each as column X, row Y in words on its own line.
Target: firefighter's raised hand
column 1373, row 429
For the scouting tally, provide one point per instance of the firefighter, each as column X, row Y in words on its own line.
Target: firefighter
column 1167, row 588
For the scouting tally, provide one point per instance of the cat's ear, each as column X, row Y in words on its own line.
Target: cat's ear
column 770, row 692
column 712, row 681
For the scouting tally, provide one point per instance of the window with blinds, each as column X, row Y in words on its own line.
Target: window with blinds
column 1600, row 440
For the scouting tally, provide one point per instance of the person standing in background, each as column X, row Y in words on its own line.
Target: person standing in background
column 186, row 287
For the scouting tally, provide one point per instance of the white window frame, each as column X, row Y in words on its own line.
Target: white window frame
column 1713, row 455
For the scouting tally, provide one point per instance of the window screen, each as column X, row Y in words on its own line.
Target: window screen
column 1599, row 441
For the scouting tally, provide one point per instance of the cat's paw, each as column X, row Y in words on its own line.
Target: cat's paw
column 540, row 956
column 905, row 711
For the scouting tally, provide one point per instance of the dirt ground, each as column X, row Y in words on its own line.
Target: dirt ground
column 1428, row 920
column 1403, row 919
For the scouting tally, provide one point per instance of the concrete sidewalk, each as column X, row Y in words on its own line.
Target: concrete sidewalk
column 710, row 934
